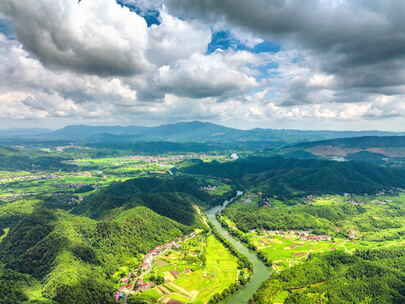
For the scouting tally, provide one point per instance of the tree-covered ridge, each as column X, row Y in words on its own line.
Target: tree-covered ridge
column 373, row 218
column 367, row 277
column 173, row 197
column 197, row 131
column 73, row 257
column 66, row 256
column 321, row 247
column 20, row 161
column 378, row 150
column 289, row 177
column 12, row 159
column 364, row 142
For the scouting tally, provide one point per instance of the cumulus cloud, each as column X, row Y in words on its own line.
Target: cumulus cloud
column 145, row 4
column 204, row 76
column 95, row 37
column 175, row 39
column 340, row 61
column 360, row 43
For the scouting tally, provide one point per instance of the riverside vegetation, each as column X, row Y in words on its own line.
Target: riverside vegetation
column 75, row 221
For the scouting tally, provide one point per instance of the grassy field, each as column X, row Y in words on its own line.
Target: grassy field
column 15, row 186
column 194, row 272
column 348, row 223
column 379, row 221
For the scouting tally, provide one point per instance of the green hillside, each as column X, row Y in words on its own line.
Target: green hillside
column 73, row 257
column 380, row 150
column 197, row 131
column 171, row 197
column 375, row 276
column 360, row 142
column 78, row 256
column 289, row 177
column 15, row 160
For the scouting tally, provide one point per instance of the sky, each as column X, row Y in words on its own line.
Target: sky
column 313, row 64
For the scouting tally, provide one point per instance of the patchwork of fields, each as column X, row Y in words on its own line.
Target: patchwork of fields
column 321, row 230
column 380, row 223
column 194, row 272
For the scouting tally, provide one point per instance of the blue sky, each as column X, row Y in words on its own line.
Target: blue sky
column 280, row 64
column 6, row 28
column 224, row 40
column 152, row 16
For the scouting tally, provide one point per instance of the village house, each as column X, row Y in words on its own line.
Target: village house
column 209, row 188
column 315, row 238
column 266, row 203
column 143, row 286
column 351, row 234
column 147, row 265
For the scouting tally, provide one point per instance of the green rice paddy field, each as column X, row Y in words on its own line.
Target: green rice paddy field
column 194, row 272
column 381, row 223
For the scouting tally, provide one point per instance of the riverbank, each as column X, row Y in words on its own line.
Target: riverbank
column 260, row 272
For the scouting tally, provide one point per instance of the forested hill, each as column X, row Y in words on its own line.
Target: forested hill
column 16, row 160
column 371, row 276
column 131, row 143
column 385, row 150
column 74, row 257
column 194, row 131
column 208, row 132
column 172, row 197
column 71, row 259
column 364, row 142
column 287, row 177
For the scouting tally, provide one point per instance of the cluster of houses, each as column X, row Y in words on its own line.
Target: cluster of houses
column 209, row 188
column 80, row 185
column 159, row 159
column 15, row 196
column 63, row 148
column 146, row 266
column 149, row 257
column 298, row 233
column 351, row 234
column 266, row 203
column 31, row 177
column 309, row 197
column 322, row 237
column 143, row 286
column 157, row 251
column 356, row 202
column 303, row 235
column 27, row 177
column 382, row 202
column 75, row 200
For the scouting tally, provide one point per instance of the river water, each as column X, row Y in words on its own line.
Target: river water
column 260, row 271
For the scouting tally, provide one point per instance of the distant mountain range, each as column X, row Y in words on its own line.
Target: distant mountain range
column 8, row 133
column 376, row 149
column 185, row 132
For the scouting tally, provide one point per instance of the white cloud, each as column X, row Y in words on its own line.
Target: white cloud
column 204, row 76
column 98, row 62
column 93, row 37
column 175, row 39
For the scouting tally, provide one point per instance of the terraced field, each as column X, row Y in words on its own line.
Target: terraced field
column 348, row 223
column 194, row 272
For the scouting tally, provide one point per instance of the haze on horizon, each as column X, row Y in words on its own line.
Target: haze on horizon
column 313, row 64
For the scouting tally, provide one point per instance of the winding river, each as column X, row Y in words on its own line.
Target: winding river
column 260, row 271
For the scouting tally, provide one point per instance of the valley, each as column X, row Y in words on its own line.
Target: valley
column 202, row 152
column 323, row 232
column 260, row 271
column 107, row 225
